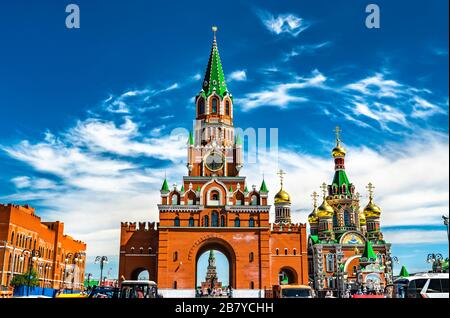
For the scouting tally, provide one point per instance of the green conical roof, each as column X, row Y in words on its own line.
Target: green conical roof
column 340, row 178
column 404, row 272
column 191, row 138
column 198, row 188
column 214, row 77
column 263, row 187
column 182, row 188
column 231, row 188
column 165, row 186
column 368, row 252
column 238, row 140
column 246, row 189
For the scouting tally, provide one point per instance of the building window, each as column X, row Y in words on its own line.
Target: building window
column 175, row 256
column 344, row 189
column 347, row 218
column 175, row 285
column 206, row 221
column 214, row 105
column 335, row 220
column 252, row 285
column 355, row 270
column 285, row 251
column 277, row 251
column 191, row 221
column 239, row 199
column 222, row 221
column 141, row 250
column 174, row 199
column 254, row 200
column 12, row 238
column 201, row 106
column 237, row 222
column 215, row 195
column 295, row 251
column 150, row 250
column 214, row 219
column 251, row 257
column 132, row 252
column 251, row 222
column 176, row 221
column 227, row 107
column 330, row 263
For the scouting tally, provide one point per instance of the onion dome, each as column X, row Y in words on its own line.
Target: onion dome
column 338, row 151
column 325, row 210
column 362, row 218
column 282, row 197
column 371, row 210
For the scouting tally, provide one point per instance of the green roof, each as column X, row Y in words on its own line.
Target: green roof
column 231, row 188
column 191, row 138
column 314, row 238
column 165, row 186
column 214, row 77
column 263, row 187
column 404, row 272
column 340, row 178
column 238, row 140
column 198, row 188
column 182, row 188
column 368, row 253
column 246, row 189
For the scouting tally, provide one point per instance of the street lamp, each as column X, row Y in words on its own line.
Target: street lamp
column 435, row 261
column 34, row 257
column 445, row 218
column 102, row 260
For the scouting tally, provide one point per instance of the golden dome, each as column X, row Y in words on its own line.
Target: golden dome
column 282, row 197
column 362, row 218
column 338, row 151
column 325, row 210
column 372, row 210
column 312, row 217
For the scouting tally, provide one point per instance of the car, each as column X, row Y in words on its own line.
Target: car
column 104, row 292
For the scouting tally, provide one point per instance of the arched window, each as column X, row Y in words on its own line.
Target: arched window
column 285, row 251
column 227, row 107
column 201, row 106
column 174, row 199
column 329, row 263
column 214, row 105
column 334, row 189
column 335, row 220
column 214, row 219
column 254, row 199
column 175, row 285
column 237, row 222
column 191, row 198
column 191, row 221
column 132, row 252
column 239, row 198
column 141, row 250
column 12, row 237
column 150, row 250
column 176, row 221
column 206, row 221
column 295, row 251
column 251, row 222
column 344, row 189
column 222, row 221
column 252, row 285
column 277, row 251
column 346, row 218
column 215, row 195
column 175, row 256
column 251, row 257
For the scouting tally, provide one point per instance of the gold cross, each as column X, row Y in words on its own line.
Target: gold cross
column 338, row 131
column 324, row 189
column 315, row 196
column 281, row 173
column 370, row 188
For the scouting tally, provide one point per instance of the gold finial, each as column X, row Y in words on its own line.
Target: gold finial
column 281, row 173
column 324, row 189
column 214, row 29
column 338, row 131
column 315, row 196
column 370, row 188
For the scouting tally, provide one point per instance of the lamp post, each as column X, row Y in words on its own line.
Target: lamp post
column 435, row 260
column 102, row 260
column 89, row 276
column 390, row 262
column 35, row 255
column 445, row 218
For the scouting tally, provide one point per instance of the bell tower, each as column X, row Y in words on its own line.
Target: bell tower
column 213, row 148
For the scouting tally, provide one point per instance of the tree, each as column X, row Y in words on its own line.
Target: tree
column 29, row 278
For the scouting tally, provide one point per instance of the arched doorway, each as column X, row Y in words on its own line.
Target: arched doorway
column 287, row 275
column 140, row 274
column 224, row 251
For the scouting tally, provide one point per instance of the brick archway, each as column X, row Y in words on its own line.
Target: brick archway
column 221, row 245
column 135, row 273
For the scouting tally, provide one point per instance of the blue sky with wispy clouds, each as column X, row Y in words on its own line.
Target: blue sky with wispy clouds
column 88, row 114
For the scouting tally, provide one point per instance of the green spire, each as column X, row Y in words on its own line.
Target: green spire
column 246, row 189
column 182, row 188
column 263, row 187
column 231, row 188
column 191, row 138
column 404, row 272
column 368, row 253
column 238, row 140
column 165, row 186
column 198, row 188
column 214, row 77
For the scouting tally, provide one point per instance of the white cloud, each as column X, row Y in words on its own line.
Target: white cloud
column 281, row 95
column 376, row 85
column 415, row 237
column 239, row 75
column 305, row 49
column 283, row 23
column 424, row 109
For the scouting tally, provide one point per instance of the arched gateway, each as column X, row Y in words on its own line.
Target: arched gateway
column 215, row 209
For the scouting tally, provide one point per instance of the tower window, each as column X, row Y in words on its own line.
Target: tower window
column 330, row 263
column 252, row 285
column 201, row 106
column 254, row 199
column 214, row 106
column 251, row 222
column 251, row 257
column 277, row 251
column 176, row 221
column 175, row 256
column 295, row 251
column 214, row 219
column 285, row 251
column 222, row 221
column 335, row 220
column 237, row 222
column 191, row 221
column 174, row 199
column 346, row 218
column 206, row 221
column 227, row 108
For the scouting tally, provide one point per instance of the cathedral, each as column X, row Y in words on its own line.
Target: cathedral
column 215, row 209
column 346, row 249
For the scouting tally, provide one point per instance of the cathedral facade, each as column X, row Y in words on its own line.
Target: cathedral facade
column 347, row 252
column 215, row 209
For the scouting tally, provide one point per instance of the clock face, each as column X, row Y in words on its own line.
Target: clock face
column 214, row 161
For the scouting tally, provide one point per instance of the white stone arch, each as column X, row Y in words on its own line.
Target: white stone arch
column 186, row 197
column 349, row 260
column 214, row 180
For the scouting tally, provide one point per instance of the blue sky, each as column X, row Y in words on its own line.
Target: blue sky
column 89, row 114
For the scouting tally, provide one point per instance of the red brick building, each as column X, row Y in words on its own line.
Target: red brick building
column 215, row 210
column 26, row 241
